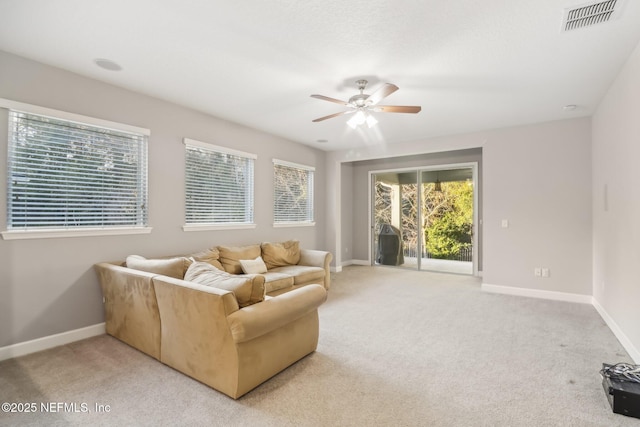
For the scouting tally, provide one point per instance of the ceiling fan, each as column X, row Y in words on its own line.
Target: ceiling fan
column 363, row 104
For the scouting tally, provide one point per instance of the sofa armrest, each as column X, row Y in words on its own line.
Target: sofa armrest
column 315, row 258
column 273, row 313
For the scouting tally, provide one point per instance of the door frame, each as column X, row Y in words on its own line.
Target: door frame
column 418, row 170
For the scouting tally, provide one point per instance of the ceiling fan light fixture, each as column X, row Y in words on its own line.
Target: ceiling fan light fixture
column 359, row 118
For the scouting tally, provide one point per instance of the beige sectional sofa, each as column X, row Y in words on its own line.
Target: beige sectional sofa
column 204, row 316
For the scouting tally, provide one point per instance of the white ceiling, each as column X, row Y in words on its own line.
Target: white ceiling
column 470, row 64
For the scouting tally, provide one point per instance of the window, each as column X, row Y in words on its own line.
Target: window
column 219, row 187
column 69, row 175
column 293, row 194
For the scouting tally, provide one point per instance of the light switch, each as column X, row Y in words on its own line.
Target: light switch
column 505, row 223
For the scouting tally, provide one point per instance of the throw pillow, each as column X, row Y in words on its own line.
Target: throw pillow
column 230, row 256
column 172, row 267
column 247, row 289
column 281, row 254
column 211, row 255
column 253, row 266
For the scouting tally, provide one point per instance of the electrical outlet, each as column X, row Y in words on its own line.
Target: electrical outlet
column 537, row 272
column 545, row 272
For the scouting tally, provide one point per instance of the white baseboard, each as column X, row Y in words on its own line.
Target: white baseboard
column 44, row 343
column 624, row 340
column 356, row 262
column 537, row 293
column 349, row 262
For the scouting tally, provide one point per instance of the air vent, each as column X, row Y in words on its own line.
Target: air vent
column 590, row 14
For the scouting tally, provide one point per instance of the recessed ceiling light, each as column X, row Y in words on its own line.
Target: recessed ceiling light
column 107, row 64
column 569, row 107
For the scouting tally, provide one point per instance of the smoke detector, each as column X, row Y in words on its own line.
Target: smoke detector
column 590, row 14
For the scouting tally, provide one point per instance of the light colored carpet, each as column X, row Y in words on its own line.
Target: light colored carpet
column 397, row 348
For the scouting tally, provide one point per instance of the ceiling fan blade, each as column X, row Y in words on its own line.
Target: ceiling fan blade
column 381, row 93
column 333, row 115
column 396, row 109
column 326, row 98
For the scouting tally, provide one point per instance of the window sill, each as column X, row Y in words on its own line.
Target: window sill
column 84, row 232
column 294, row 224
column 213, row 227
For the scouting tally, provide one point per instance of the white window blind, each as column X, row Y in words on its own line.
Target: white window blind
column 65, row 175
column 293, row 193
column 219, row 185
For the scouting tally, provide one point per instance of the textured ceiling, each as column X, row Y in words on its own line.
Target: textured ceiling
column 471, row 65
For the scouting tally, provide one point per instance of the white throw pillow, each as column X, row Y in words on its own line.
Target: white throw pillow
column 253, row 266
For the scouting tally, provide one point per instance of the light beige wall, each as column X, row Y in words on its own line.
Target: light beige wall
column 47, row 286
column 538, row 178
column 616, row 233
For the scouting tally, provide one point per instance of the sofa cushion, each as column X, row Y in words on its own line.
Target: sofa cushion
column 230, row 256
column 280, row 254
column 211, row 255
column 172, row 267
column 247, row 289
column 276, row 281
column 302, row 273
column 253, row 266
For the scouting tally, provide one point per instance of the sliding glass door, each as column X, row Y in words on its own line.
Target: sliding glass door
column 424, row 219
